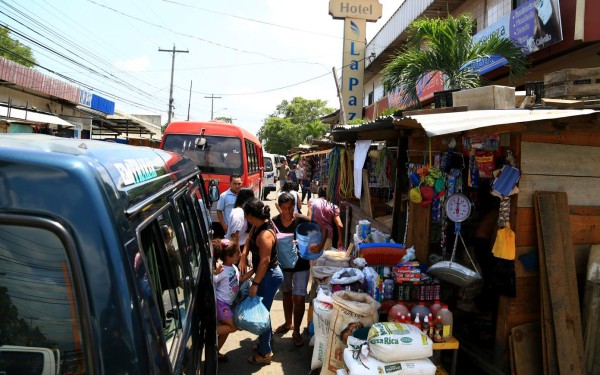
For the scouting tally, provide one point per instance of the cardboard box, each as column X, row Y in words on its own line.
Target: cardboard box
column 487, row 97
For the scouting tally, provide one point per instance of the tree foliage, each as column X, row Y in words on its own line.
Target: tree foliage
column 13, row 50
column 447, row 46
column 292, row 123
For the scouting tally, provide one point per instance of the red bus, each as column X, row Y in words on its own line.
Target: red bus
column 220, row 149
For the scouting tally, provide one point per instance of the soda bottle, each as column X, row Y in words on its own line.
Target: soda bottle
column 426, row 326
column 417, row 321
column 438, row 330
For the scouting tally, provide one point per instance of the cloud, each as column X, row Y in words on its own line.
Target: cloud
column 138, row 64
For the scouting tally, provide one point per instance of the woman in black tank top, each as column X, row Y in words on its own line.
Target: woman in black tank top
column 267, row 274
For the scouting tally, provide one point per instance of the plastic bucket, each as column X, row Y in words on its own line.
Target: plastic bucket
column 308, row 234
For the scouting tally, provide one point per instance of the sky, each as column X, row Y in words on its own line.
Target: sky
column 251, row 54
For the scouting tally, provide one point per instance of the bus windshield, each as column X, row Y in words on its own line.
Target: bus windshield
column 218, row 155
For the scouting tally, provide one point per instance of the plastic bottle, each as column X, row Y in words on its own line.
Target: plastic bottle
column 446, row 316
column 425, row 327
column 397, row 311
column 435, row 307
column 438, row 330
column 388, row 289
column 420, row 309
column 417, row 322
column 408, row 319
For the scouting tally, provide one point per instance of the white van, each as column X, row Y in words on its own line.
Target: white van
column 270, row 175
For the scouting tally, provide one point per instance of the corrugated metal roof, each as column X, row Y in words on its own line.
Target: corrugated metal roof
column 446, row 123
column 454, row 122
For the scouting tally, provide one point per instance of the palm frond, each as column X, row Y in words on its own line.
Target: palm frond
column 446, row 45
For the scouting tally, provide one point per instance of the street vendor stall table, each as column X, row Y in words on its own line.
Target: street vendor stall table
column 451, row 344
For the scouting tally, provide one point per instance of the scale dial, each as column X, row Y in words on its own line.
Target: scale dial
column 458, row 208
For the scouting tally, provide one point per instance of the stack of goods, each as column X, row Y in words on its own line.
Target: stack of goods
column 435, row 320
column 351, row 311
column 390, row 348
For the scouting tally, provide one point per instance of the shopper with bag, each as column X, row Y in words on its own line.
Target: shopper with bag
column 295, row 278
column 226, row 280
column 326, row 214
column 261, row 244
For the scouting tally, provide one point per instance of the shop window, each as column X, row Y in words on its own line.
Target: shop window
column 39, row 306
column 371, row 98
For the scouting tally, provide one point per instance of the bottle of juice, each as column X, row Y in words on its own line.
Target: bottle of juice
column 420, row 309
column 435, row 307
column 446, row 316
column 397, row 310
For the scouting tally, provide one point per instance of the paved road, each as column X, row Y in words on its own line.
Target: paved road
column 287, row 358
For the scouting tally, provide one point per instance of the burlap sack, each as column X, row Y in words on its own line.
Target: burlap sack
column 351, row 310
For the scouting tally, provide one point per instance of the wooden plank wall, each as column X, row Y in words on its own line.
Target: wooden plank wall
column 565, row 161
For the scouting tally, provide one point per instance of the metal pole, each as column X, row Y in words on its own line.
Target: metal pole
column 173, row 51
column 189, row 101
column 339, row 94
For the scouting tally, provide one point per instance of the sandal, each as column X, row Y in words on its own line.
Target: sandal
column 257, row 359
column 282, row 329
column 223, row 358
column 298, row 340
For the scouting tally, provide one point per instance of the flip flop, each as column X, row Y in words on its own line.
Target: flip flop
column 282, row 329
column 257, row 359
column 298, row 341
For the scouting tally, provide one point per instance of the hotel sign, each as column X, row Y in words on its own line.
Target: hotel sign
column 355, row 14
column 358, row 9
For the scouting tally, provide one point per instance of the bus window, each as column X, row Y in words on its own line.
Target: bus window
column 219, row 155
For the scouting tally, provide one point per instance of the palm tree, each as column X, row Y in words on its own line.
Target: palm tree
column 446, row 45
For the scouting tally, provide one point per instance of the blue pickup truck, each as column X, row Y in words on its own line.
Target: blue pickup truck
column 105, row 260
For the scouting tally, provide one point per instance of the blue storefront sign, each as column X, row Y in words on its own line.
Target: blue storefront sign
column 534, row 25
column 103, row 105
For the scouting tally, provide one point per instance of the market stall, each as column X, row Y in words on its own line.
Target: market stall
column 470, row 178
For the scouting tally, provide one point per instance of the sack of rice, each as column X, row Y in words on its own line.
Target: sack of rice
column 323, row 309
column 360, row 365
column 351, row 311
column 393, row 342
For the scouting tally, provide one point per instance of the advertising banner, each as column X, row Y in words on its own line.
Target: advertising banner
column 534, row 25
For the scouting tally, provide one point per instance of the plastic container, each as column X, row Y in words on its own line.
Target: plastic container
column 308, row 234
column 396, row 312
column 447, row 323
column 420, row 309
column 435, row 307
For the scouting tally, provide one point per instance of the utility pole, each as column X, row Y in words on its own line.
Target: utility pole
column 189, row 101
column 173, row 51
column 212, row 98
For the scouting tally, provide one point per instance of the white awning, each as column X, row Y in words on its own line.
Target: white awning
column 447, row 123
column 20, row 115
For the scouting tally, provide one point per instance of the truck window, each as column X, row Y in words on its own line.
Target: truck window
column 167, row 274
column 39, row 309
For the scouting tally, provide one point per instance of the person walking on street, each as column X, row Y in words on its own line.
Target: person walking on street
column 238, row 226
column 284, row 171
column 227, row 201
column 292, row 189
column 304, row 178
column 326, row 214
column 267, row 274
column 295, row 280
